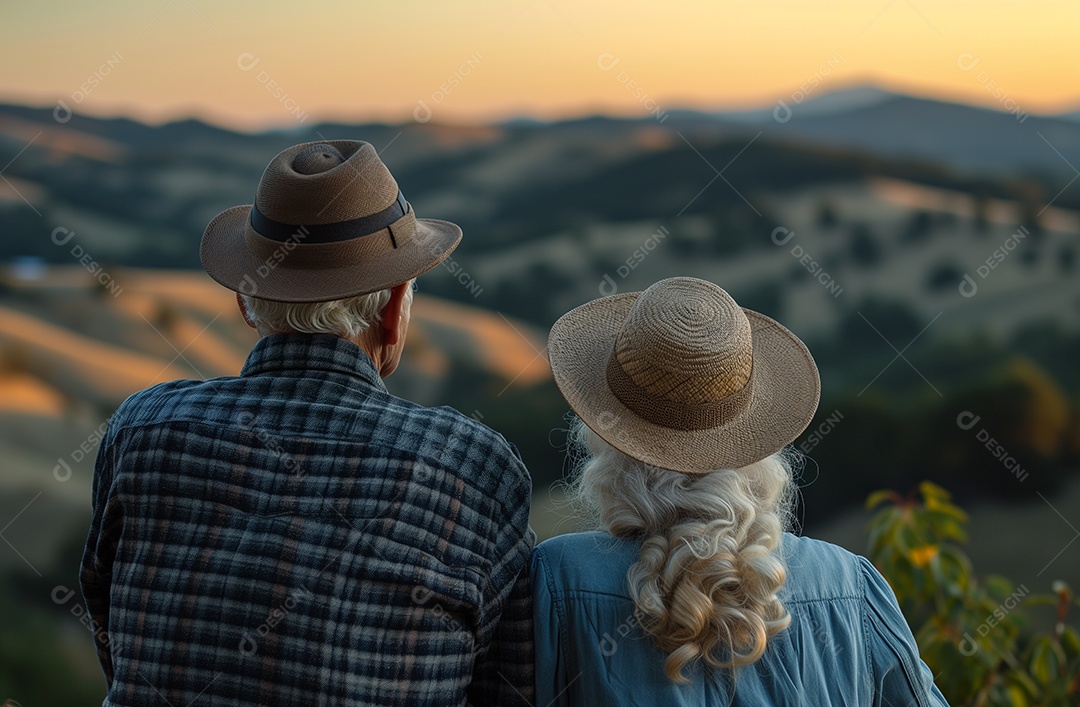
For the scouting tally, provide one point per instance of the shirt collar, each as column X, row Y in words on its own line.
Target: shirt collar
column 311, row 352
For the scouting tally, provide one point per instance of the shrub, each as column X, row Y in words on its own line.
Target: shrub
column 976, row 634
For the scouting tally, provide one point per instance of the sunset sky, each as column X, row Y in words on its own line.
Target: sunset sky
column 260, row 64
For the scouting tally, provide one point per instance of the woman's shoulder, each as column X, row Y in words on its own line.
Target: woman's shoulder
column 586, row 542
column 818, row 570
column 594, row 562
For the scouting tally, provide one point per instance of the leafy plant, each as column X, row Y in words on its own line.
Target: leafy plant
column 979, row 636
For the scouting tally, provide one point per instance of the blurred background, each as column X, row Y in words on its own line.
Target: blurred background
column 897, row 182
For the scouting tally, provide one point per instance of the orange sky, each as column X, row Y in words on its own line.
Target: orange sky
column 257, row 64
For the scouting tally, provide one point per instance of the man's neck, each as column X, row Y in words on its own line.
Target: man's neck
column 368, row 340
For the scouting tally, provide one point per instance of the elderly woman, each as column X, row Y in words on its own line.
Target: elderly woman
column 692, row 593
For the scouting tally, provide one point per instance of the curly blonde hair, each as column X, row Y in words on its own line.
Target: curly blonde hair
column 706, row 581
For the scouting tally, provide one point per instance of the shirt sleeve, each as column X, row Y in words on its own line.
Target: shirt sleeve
column 503, row 673
column 95, row 576
column 900, row 675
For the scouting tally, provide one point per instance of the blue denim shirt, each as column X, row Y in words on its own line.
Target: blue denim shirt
column 848, row 643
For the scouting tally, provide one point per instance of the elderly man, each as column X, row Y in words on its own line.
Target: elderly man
column 297, row 535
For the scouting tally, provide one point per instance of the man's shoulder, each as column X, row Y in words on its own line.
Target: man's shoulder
column 152, row 403
column 451, row 437
column 475, row 429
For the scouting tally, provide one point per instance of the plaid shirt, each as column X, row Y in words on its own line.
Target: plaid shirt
column 298, row 536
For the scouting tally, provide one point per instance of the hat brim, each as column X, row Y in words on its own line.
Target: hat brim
column 226, row 258
column 785, row 394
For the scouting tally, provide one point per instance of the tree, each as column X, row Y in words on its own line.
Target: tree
column 944, row 276
column 1030, row 206
column 892, row 319
column 864, row 246
column 980, row 209
column 1067, row 259
column 919, row 227
column 827, row 217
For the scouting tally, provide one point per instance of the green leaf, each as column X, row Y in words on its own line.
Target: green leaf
column 929, row 490
column 1021, row 679
column 878, row 497
column 1070, row 642
column 946, row 526
column 1002, row 586
column 1046, row 660
column 1041, row 600
column 1017, row 696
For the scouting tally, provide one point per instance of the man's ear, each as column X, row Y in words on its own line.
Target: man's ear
column 393, row 312
column 243, row 311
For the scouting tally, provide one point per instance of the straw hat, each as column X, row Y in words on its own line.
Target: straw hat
column 680, row 377
column 328, row 222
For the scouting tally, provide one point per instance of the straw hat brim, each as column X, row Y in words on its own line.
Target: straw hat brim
column 226, row 258
column 786, row 390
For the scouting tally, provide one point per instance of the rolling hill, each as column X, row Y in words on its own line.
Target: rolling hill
column 870, row 223
column 926, row 251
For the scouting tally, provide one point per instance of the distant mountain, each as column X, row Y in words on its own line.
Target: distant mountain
column 1074, row 115
column 969, row 139
column 960, row 136
column 554, row 208
column 843, row 100
column 830, row 103
column 141, row 195
column 863, row 117
column 864, row 222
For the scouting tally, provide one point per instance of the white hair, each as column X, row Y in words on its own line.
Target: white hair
column 348, row 317
column 706, row 580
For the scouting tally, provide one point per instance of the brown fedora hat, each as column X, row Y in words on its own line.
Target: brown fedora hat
column 680, row 377
column 328, row 222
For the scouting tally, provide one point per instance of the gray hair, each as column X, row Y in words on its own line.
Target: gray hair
column 709, row 568
column 348, row 317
